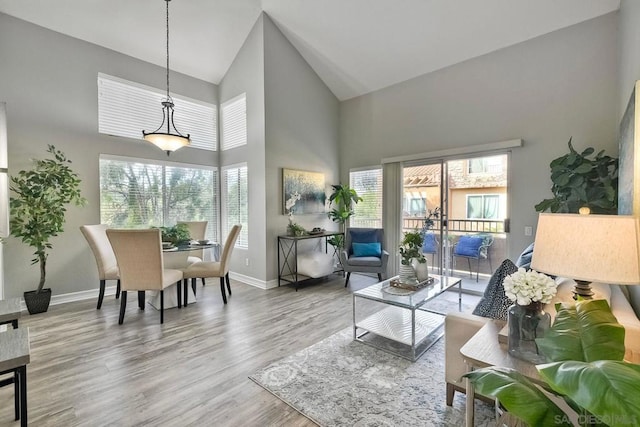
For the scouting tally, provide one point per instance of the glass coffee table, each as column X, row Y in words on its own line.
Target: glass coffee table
column 402, row 326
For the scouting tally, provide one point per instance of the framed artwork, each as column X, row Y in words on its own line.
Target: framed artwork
column 302, row 192
column 629, row 157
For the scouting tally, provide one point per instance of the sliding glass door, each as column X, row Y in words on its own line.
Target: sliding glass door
column 471, row 199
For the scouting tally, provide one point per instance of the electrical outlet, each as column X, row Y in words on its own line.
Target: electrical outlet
column 246, row 262
column 528, row 230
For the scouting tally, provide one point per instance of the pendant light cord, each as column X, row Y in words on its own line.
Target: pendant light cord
column 168, row 96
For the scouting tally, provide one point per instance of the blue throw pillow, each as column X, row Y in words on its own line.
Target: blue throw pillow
column 363, row 236
column 524, row 260
column 366, row 249
column 469, row 246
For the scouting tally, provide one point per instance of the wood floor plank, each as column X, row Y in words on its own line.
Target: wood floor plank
column 86, row 370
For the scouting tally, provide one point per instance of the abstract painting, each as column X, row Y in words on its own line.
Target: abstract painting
column 629, row 155
column 302, row 192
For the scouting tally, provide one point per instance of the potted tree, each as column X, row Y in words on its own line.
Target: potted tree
column 342, row 200
column 38, row 207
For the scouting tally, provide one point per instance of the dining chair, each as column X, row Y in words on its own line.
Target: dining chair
column 206, row 269
column 105, row 258
column 197, row 231
column 139, row 256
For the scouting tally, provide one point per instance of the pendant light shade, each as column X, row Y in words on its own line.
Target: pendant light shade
column 167, row 137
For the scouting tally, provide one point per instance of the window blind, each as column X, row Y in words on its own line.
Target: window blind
column 126, row 109
column 233, row 122
column 136, row 193
column 368, row 185
column 236, row 196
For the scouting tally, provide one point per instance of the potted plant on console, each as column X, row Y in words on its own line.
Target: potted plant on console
column 38, row 207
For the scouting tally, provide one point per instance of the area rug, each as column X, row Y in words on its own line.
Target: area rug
column 340, row 382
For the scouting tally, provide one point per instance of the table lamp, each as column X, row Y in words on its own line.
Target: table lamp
column 588, row 248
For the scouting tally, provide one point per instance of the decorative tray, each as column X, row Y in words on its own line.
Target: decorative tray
column 398, row 284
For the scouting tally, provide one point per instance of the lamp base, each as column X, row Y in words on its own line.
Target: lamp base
column 582, row 290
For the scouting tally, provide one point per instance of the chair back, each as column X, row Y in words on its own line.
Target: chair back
column 102, row 251
column 228, row 248
column 363, row 235
column 430, row 243
column 139, row 256
column 197, row 231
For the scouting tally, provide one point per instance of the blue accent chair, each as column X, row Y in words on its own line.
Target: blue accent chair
column 351, row 263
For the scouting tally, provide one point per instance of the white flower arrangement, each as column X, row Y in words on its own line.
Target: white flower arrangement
column 524, row 287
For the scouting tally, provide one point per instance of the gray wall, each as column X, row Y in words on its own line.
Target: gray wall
column 301, row 132
column 49, row 82
column 246, row 75
column 543, row 91
column 629, row 54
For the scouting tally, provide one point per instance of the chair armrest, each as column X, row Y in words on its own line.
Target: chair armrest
column 458, row 329
column 384, row 257
column 344, row 256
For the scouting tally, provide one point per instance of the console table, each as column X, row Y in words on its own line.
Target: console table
column 288, row 255
column 484, row 350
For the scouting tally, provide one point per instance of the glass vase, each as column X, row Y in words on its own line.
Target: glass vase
column 526, row 323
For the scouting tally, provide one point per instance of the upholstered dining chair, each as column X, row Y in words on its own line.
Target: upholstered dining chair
column 197, row 231
column 206, row 269
column 139, row 256
column 105, row 258
column 364, row 252
column 430, row 246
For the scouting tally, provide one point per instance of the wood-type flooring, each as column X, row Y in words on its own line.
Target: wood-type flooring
column 86, row 370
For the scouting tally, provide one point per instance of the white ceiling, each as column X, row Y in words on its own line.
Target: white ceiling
column 355, row 46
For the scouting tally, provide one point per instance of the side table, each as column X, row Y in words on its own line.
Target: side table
column 484, row 350
column 10, row 311
column 14, row 358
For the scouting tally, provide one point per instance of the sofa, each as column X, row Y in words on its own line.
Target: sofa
column 461, row 326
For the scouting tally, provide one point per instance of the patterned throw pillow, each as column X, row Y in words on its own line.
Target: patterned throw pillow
column 494, row 302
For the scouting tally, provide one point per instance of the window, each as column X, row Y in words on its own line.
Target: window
column 127, row 108
column 484, row 206
column 487, row 165
column 234, row 122
column 136, row 193
column 415, row 206
column 235, row 192
column 368, row 185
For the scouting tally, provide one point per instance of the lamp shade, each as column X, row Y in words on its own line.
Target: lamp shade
column 592, row 248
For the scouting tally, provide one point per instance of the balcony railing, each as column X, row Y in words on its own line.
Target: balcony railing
column 458, row 225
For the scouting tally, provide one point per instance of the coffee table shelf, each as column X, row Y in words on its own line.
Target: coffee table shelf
column 402, row 326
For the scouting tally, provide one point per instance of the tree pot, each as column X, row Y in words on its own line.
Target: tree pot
column 37, row 302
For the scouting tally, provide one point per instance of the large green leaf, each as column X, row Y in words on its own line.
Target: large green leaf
column 519, row 396
column 610, row 390
column 583, row 331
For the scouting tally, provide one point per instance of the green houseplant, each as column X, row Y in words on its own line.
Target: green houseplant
column 580, row 181
column 38, row 207
column 342, row 199
column 177, row 234
column 585, row 347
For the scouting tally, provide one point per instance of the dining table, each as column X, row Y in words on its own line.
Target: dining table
column 176, row 257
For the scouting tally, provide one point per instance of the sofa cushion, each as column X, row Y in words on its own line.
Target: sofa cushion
column 494, row 302
column 468, row 246
column 366, row 249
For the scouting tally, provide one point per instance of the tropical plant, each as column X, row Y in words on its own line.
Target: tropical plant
column 38, row 206
column 580, row 181
column 342, row 200
column 585, row 346
column 410, row 248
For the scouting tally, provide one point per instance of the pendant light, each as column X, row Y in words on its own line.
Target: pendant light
column 167, row 137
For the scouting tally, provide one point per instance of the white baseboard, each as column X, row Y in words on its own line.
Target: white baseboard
column 111, row 290
column 252, row 281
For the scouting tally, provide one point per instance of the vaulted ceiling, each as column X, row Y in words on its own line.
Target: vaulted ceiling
column 355, row 46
